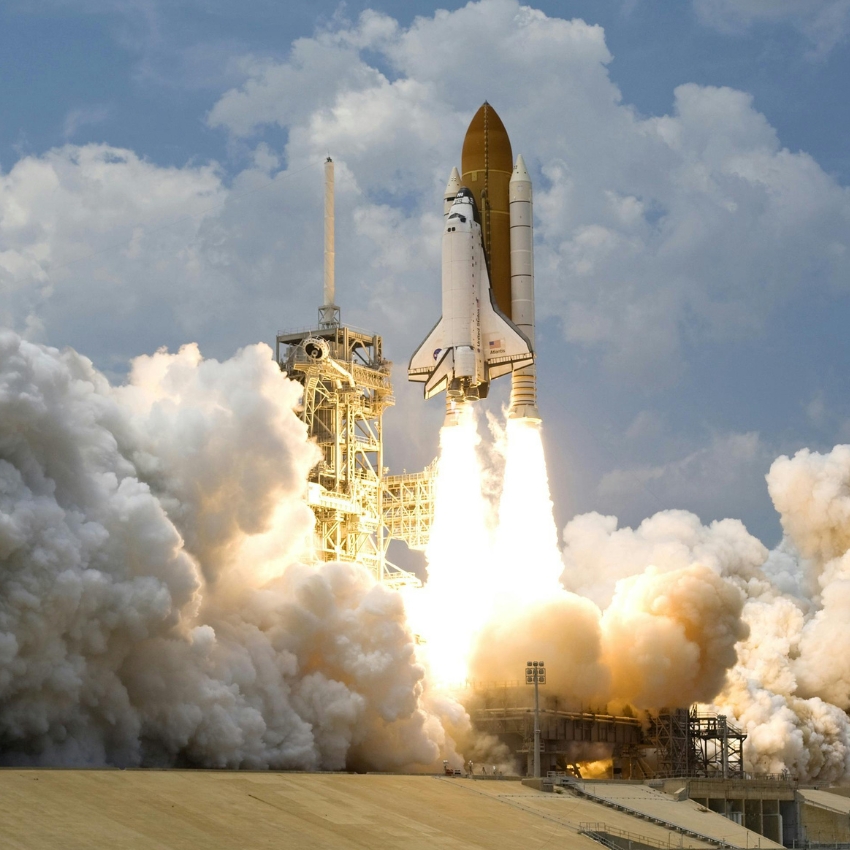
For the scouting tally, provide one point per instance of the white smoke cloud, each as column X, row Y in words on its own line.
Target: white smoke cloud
column 781, row 670
column 669, row 637
column 233, row 506
column 152, row 607
column 810, row 492
column 597, row 554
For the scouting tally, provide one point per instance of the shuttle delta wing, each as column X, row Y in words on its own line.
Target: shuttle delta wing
column 505, row 346
column 442, row 374
column 424, row 360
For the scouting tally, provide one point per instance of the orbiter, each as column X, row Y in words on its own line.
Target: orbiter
column 474, row 342
column 487, row 327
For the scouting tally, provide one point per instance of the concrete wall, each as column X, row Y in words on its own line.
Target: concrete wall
column 760, row 815
column 776, row 810
column 820, row 825
column 768, row 807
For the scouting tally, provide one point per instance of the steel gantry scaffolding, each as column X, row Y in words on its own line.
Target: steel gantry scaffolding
column 408, row 506
column 670, row 743
column 669, row 736
column 696, row 743
column 718, row 746
column 347, row 388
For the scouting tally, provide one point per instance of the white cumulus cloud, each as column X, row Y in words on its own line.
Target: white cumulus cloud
column 652, row 232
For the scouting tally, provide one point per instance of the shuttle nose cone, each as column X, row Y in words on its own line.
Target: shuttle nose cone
column 486, row 146
column 520, row 174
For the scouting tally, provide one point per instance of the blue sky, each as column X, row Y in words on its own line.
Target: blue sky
column 132, row 67
column 160, row 184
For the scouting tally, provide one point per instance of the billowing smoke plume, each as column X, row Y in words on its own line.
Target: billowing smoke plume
column 790, row 685
column 665, row 615
column 153, row 609
column 156, row 606
column 666, row 638
column 638, row 634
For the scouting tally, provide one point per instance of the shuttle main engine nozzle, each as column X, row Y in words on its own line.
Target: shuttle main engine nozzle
column 456, row 408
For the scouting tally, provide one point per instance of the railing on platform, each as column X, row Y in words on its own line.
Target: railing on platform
column 597, row 827
column 579, row 787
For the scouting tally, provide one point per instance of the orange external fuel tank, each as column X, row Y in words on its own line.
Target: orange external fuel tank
column 486, row 168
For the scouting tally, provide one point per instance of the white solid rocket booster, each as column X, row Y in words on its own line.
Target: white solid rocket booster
column 524, row 379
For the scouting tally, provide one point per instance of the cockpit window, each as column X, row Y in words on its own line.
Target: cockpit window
column 458, row 215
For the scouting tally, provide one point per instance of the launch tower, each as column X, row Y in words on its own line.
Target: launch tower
column 347, row 388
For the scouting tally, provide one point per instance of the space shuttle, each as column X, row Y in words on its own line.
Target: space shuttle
column 487, row 326
column 474, row 342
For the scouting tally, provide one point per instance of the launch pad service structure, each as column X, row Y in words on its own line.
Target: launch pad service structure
column 486, row 331
column 358, row 507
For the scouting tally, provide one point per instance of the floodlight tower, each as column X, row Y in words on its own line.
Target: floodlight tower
column 535, row 674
